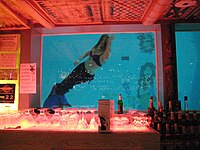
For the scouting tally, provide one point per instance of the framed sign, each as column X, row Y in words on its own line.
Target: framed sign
column 9, row 42
column 10, row 46
column 7, row 93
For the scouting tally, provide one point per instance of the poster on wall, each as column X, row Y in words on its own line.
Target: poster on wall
column 10, row 46
column 9, row 42
column 8, row 60
column 28, row 78
column 7, row 93
column 8, row 74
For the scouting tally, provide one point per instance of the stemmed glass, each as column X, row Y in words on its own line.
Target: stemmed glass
column 82, row 123
column 26, row 119
column 55, row 119
column 93, row 125
column 72, row 119
column 63, row 119
column 42, row 120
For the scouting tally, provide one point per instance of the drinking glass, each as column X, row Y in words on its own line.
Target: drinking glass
column 55, row 119
column 42, row 120
column 26, row 119
column 63, row 119
column 93, row 124
column 82, row 122
column 73, row 118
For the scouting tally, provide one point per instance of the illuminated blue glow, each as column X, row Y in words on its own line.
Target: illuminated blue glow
column 120, row 74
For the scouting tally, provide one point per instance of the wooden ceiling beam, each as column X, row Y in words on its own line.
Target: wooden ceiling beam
column 154, row 11
column 15, row 15
column 40, row 11
column 34, row 12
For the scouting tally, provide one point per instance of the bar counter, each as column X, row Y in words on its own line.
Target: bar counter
column 50, row 139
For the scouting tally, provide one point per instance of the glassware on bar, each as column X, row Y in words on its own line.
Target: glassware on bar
column 55, row 119
column 63, row 119
column 42, row 120
column 26, row 119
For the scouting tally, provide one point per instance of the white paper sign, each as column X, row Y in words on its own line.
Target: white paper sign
column 28, row 78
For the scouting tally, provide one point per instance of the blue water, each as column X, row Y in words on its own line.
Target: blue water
column 188, row 65
column 129, row 71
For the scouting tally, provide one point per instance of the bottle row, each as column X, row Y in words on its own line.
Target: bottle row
column 174, row 124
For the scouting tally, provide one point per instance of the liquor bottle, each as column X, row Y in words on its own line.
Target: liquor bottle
column 120, row 104
column 188, row 125
column 155, row 122
column 151, row 108
column 196, row 124
column 177, row 108
column 170, row 105
column 160, row 104
column 160, row 112
column 180, row 122
column 167, row 130
column 171, row 123
column 179, row 105
column 183, row 130
column 186, row 108
column 163, row 125
column 159, row 126
column 191, row 120
column 169, row 109
column 176, row 128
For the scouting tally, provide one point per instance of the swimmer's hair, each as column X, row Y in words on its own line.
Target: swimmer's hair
column 104, row 36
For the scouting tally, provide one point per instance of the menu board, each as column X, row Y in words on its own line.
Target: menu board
column 7, row 93
column 9, row 69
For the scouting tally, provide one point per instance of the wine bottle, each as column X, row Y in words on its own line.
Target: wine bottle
column 151, row 108
column 188, row 124
column 163, row 125
column 166, row 127
column 155, row 122
column 120, row 104
column 169, row 109
column 180, row 122
column 171, row 123
column 184, row 134
column 191, row 120
column 160, row 113
column 196, row 124
column 176, row 128
column 167, row 132
column 186, row 108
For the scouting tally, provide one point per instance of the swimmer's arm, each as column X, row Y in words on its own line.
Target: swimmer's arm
column 106, row 54
column 81, row 57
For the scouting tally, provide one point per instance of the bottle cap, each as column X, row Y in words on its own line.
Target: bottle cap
column 159, row 104
column 185, row 98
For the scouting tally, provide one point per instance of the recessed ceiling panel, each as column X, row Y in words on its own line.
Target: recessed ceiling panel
column 64, row 12
column 124, row 10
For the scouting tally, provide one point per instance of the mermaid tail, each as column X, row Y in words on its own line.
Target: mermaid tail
column 78, row 76
column 57, row 96
column 54, row 100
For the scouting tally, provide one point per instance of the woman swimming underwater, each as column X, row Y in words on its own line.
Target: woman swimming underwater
column 83, row 72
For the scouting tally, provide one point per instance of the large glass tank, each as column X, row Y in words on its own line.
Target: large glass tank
column 130, row 70
column 188, row 66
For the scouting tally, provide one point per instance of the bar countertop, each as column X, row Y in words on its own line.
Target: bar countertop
column 51, row 139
